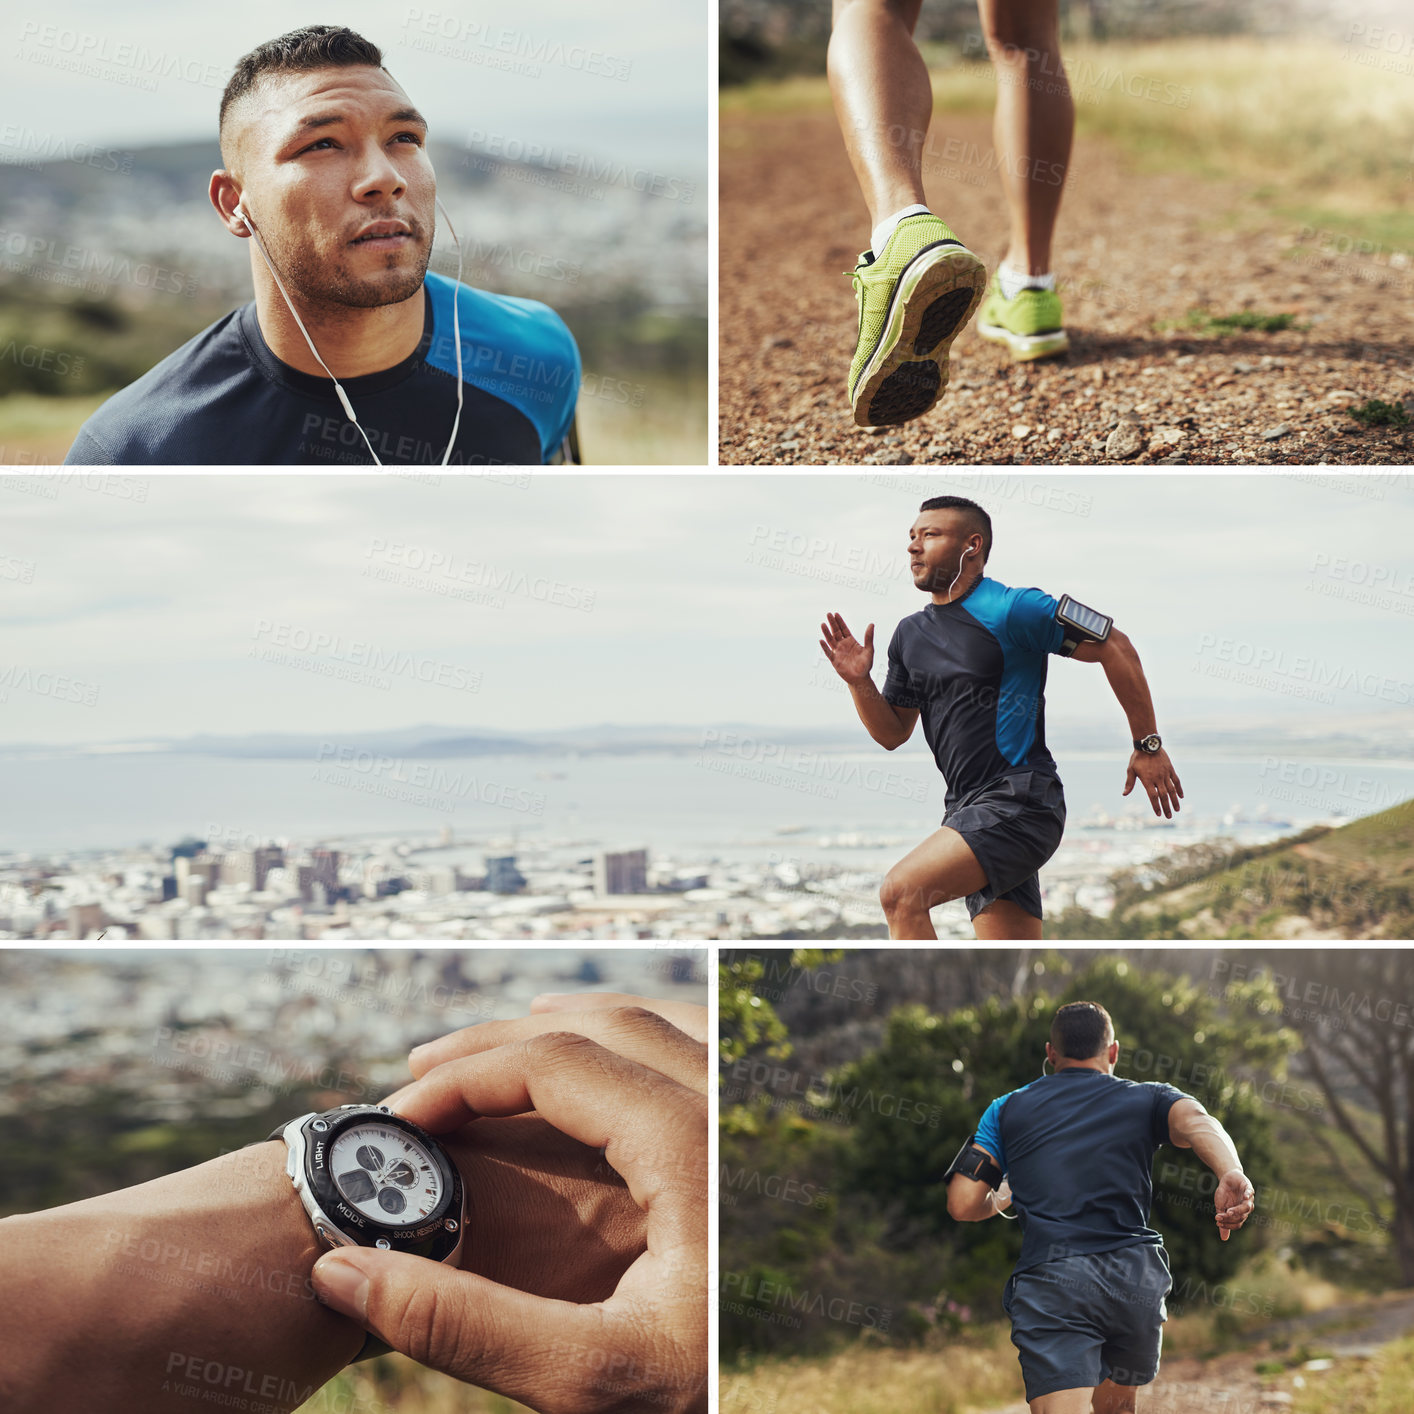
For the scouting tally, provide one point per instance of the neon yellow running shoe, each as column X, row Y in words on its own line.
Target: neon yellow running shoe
column 1029, row 325
column 914, row 298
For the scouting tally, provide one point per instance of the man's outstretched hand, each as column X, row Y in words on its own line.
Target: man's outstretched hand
column 1234, row 1200
column 1159, row 779
column 853, row 660
column 618, row 1079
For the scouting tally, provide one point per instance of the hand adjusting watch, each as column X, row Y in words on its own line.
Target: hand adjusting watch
column 370, row 1178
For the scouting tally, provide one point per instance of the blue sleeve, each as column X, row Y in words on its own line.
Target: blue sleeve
column 518, row 350
column 1031, row 621
column 897, row 688
column 989, row 1132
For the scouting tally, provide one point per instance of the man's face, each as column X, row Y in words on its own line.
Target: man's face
column 936, row 542
column 333, row 165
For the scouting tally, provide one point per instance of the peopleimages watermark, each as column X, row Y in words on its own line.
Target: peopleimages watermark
column 503, row 48
column 16, row 569
column 747, row 1293
column 363, row 982
column 488, row 149
column 795, row 768
column 991, row 486
column 744, row 1181
column 428, row 783
column 1294, row 674
column 34, row 150
column 779, row 975
column 116, row 61
column 457, row 576
column 1087, row 80
column 1316, row 996
column 1362, row 582
column 46, row 259
column 824, row 558
column 1316, row 783
column 353, row 659
column 829, row 1096
column 231, row 1386
column 42, row 683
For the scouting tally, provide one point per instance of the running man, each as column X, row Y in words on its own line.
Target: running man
column 1086, row 1298
column 917, row 285
column 327, row 175
column 972, row 663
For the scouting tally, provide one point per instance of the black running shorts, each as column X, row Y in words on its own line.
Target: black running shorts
column 1013, row 825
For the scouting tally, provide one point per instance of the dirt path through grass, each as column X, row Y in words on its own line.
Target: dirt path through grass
column 1135, row 255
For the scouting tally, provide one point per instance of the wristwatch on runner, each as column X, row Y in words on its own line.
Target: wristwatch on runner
column 1150, row 744
column 370, row 1178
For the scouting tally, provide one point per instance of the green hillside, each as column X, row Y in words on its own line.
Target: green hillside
column 1353, row 881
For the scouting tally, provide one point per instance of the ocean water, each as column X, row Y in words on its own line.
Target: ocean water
column 738, row 803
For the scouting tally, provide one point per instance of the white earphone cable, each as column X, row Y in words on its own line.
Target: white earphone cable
column 343, row 397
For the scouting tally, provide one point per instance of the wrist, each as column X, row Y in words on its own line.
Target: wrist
column 158, row 1285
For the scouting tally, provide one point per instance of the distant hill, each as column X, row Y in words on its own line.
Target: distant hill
column 1355, row 881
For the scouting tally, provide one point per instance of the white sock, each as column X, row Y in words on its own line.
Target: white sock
column 1013, row 280
column 880, row 238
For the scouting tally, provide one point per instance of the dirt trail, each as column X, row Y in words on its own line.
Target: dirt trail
column 1132, row 251
column 1229, row 1384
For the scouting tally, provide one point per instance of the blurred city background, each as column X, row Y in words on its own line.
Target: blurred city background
column 123, row 1066
column 570, row 148
column 850, row 1079
column 594, row 707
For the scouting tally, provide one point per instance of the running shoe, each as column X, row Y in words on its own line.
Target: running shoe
column 914, row 298
column 1029, row 324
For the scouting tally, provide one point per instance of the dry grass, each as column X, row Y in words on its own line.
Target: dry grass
column 876, row 1380
column 1291, row 117
column 1383, row 1384
column 394, row 1385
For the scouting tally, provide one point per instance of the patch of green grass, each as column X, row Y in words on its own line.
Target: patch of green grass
column 1199, row 321
column 1378, row 413
column 1347, row 235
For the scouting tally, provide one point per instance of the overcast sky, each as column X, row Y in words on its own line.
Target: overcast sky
column 640, row 94
column 692, row 617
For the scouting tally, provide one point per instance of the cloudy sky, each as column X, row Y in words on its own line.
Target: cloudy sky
column 236, row 604
column 627, row 80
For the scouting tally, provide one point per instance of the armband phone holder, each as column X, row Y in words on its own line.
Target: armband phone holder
column 1081, row 624
column 974, row 1162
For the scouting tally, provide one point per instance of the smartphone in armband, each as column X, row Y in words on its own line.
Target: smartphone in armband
column 1081, row 624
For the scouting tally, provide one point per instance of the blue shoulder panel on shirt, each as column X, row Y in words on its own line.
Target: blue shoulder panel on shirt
column 989, row 1130
column 519, row 350
column 992, row 604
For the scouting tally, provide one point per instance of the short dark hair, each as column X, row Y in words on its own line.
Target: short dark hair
column 1079, row 1030
column 300, row 51
column 979, row 518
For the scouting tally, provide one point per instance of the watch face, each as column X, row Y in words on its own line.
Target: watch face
column 385, row 1174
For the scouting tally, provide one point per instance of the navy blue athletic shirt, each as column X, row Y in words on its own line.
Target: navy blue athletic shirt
column 976, row 670
column 1077, row 1148
column 224, row 397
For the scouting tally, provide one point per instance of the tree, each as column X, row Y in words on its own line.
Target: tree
column 1354, row 1009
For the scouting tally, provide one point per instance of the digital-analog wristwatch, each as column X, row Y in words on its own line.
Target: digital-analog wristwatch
column 1150, row 744
column 370, row 1178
